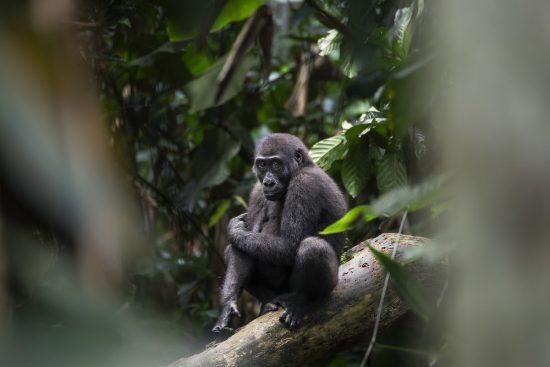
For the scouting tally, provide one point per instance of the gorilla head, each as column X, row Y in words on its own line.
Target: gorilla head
column 278, row 157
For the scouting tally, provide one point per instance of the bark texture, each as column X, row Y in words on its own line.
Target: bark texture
column 346, row 318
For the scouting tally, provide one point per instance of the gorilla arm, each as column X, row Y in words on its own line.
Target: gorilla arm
column 299, row 219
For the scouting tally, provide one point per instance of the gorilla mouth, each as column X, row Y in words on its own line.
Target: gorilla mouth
column 272, row 194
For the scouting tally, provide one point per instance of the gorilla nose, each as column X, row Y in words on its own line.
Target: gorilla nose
column 269, row 183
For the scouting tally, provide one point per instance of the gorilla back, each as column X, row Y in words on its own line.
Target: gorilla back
column 275, row 251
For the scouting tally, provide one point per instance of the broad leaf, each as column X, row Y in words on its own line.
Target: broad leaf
column 429, row 193
column 349, row 219
column 390, row 172
column 234, row 11
column 221, row 209
column 209, row 167
column 147, row 60
column 356, row 168
column 407, row 287
column 401, row 22
column 197, row 62
column 202, row 91
column 357, row 131
column 326, row 151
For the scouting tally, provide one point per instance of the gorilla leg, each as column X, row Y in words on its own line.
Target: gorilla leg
column 239, row 268
column 314, row 276
column 265, row 295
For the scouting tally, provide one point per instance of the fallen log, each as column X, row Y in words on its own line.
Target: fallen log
column 346, row 318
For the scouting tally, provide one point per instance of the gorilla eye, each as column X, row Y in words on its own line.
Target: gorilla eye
column 260, row 164
column 276, row 166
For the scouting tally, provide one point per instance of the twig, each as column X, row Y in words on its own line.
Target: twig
column 383, row 295
column 328, row 19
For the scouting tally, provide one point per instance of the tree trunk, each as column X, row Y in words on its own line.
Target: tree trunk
column 346, row 318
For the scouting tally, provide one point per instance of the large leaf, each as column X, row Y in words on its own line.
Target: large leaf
column 356, row 168
column 202, row 91
column 429, row 193
column 147, row 60
column 390, row 172
column 209, row 167
column 197, row 62
column 402, row 20
column 244, row 42
column 233, row 11
column 349, row 219
column 407, row 287
column 326, row 151
column 221, row 209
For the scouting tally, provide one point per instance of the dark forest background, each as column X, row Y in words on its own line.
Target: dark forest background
column 133, row 200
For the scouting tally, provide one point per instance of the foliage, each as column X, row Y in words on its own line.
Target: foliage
column 187, row 88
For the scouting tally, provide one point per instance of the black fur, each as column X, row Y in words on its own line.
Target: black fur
column 276, row 252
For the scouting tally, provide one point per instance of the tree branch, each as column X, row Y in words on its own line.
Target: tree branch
column 346, row 319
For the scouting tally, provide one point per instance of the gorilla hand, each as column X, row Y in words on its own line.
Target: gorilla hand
column 236, row 227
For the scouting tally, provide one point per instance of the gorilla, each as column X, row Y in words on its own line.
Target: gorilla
column 275, row 251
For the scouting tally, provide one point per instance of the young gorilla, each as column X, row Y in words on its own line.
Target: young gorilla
column 276, row 252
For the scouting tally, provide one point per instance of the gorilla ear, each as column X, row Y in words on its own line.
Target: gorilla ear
column 298, row 156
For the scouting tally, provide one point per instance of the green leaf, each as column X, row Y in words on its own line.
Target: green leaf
column 178, row 28
column 239, row 199
column 221, row 209
column 147, row 60
column 408, row 288
column 209, row 165
column 430, row 193
column 356, row 168
column 390, row 172
column 197, row 62
column 400, row 31
column 326, row 151
column 348, row 220
column 234, row 11
column 202, row 90
column 357, row 131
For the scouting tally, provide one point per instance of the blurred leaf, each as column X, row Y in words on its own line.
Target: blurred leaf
column 402, row 20
column 209, row 165
column 429, row 193
column 349, row 219
column 390, row 172
column 356, row 168
column 246, row 38
column 356, row 131
column 220, row 211
column 197, row 62
column 339, row 361
column 432, row 251
column 328, row 45
column 408, row 288
column 236, row 10
column 241, row 201
column 202, row 91
column 182, row 26
column 326, row 151
column 147, row 60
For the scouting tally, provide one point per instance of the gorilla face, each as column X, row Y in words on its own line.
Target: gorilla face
column 274, row 175
column 278, row 158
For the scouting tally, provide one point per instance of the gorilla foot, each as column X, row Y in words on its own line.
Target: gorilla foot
column 229, row 308
column 268, row 307
column 296, row 307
